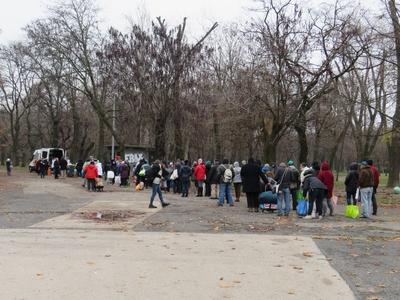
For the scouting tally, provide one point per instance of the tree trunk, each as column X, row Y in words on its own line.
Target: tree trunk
column 76, row 137
column 271, row 138
column 217, row 142
column 100, row 142
column 300, row 128
column 159, row 132
column 394, row 168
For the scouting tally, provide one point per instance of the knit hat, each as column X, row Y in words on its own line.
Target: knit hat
column 290, row 163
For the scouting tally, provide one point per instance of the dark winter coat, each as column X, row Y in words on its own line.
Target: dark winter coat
column 251, row 175
column 185, row 173
column 124, row 171
column 208, row 172
column 351, row 181
column 79, row 165
column 311, row 182
column 283, row 177
column 327, row 178
column 63, row 164
column 214, row 175
column 366, row 177
column 295, row 178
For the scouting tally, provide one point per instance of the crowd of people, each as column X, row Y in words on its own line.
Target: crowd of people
column 215, row 180
column 225, row 182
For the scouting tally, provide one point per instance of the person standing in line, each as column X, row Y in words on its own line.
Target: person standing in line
column 200, row 176
column 207, row 183
column 63, row 167
column 43, row 168
column 376, row 174
column 79, row 168
column 316, row 168
column 237, row 180
column 225, row 174
column 316, row 191
column 351, row 183
column 56, row 168
column 124, row 172
column 184, row 174
column 327, row 178
column 251, row 175
column 157, row 172
column 214, row 180
column 283, row 178
column 91, row 175
column 366, row 183
column 9, row 166
column 303, row 169
column 294, row 183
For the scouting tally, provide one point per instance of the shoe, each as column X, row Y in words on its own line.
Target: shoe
column 231, row 205
column 237, row 200
column 152, row 206
column 286, row 215
column 165, row 204
column 364, row 217
column 256, row 210
column 249, row 210
column 308, row 217
column 279, row 215
column 320, row 217
column 220, row 205
column 331, row 215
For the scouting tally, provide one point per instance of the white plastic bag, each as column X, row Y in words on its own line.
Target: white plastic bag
column 110, row 175
column 117, row 180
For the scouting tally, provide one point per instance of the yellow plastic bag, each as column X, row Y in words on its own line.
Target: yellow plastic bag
column 352, row 211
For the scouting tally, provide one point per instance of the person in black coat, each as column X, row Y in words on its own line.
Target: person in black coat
column 351, row 183
column 56, row 168
column 316, row 191
column 207, row 181
column 185, row 173
column 251, row 174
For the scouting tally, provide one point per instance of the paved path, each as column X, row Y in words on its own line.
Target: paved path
column 52, row 231
column 76, row 264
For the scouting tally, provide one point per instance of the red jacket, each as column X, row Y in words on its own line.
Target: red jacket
column 91, row 172
column 376, row 174
column 326, row 176
column 200, row 172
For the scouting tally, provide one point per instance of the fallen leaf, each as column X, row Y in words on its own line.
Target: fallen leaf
column 39, row 274
column 278, row 266
column 236, row 281
column 225, row 285
column 90, row 263
column 308, row 254
column 381, row 285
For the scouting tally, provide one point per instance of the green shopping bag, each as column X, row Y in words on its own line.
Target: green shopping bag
column 352, row 211
column 299, row 195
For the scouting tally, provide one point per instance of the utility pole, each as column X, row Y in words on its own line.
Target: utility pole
column 112, row 134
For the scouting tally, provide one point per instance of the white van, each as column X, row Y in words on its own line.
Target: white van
column 45, row 153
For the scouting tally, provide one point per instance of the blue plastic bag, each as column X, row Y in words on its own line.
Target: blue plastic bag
column 302, row 208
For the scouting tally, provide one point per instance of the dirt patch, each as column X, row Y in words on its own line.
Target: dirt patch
column 108, row 215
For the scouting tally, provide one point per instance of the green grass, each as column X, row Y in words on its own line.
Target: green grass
column 342, row 176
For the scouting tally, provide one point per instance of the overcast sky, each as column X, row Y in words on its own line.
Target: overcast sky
column 15, row 14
